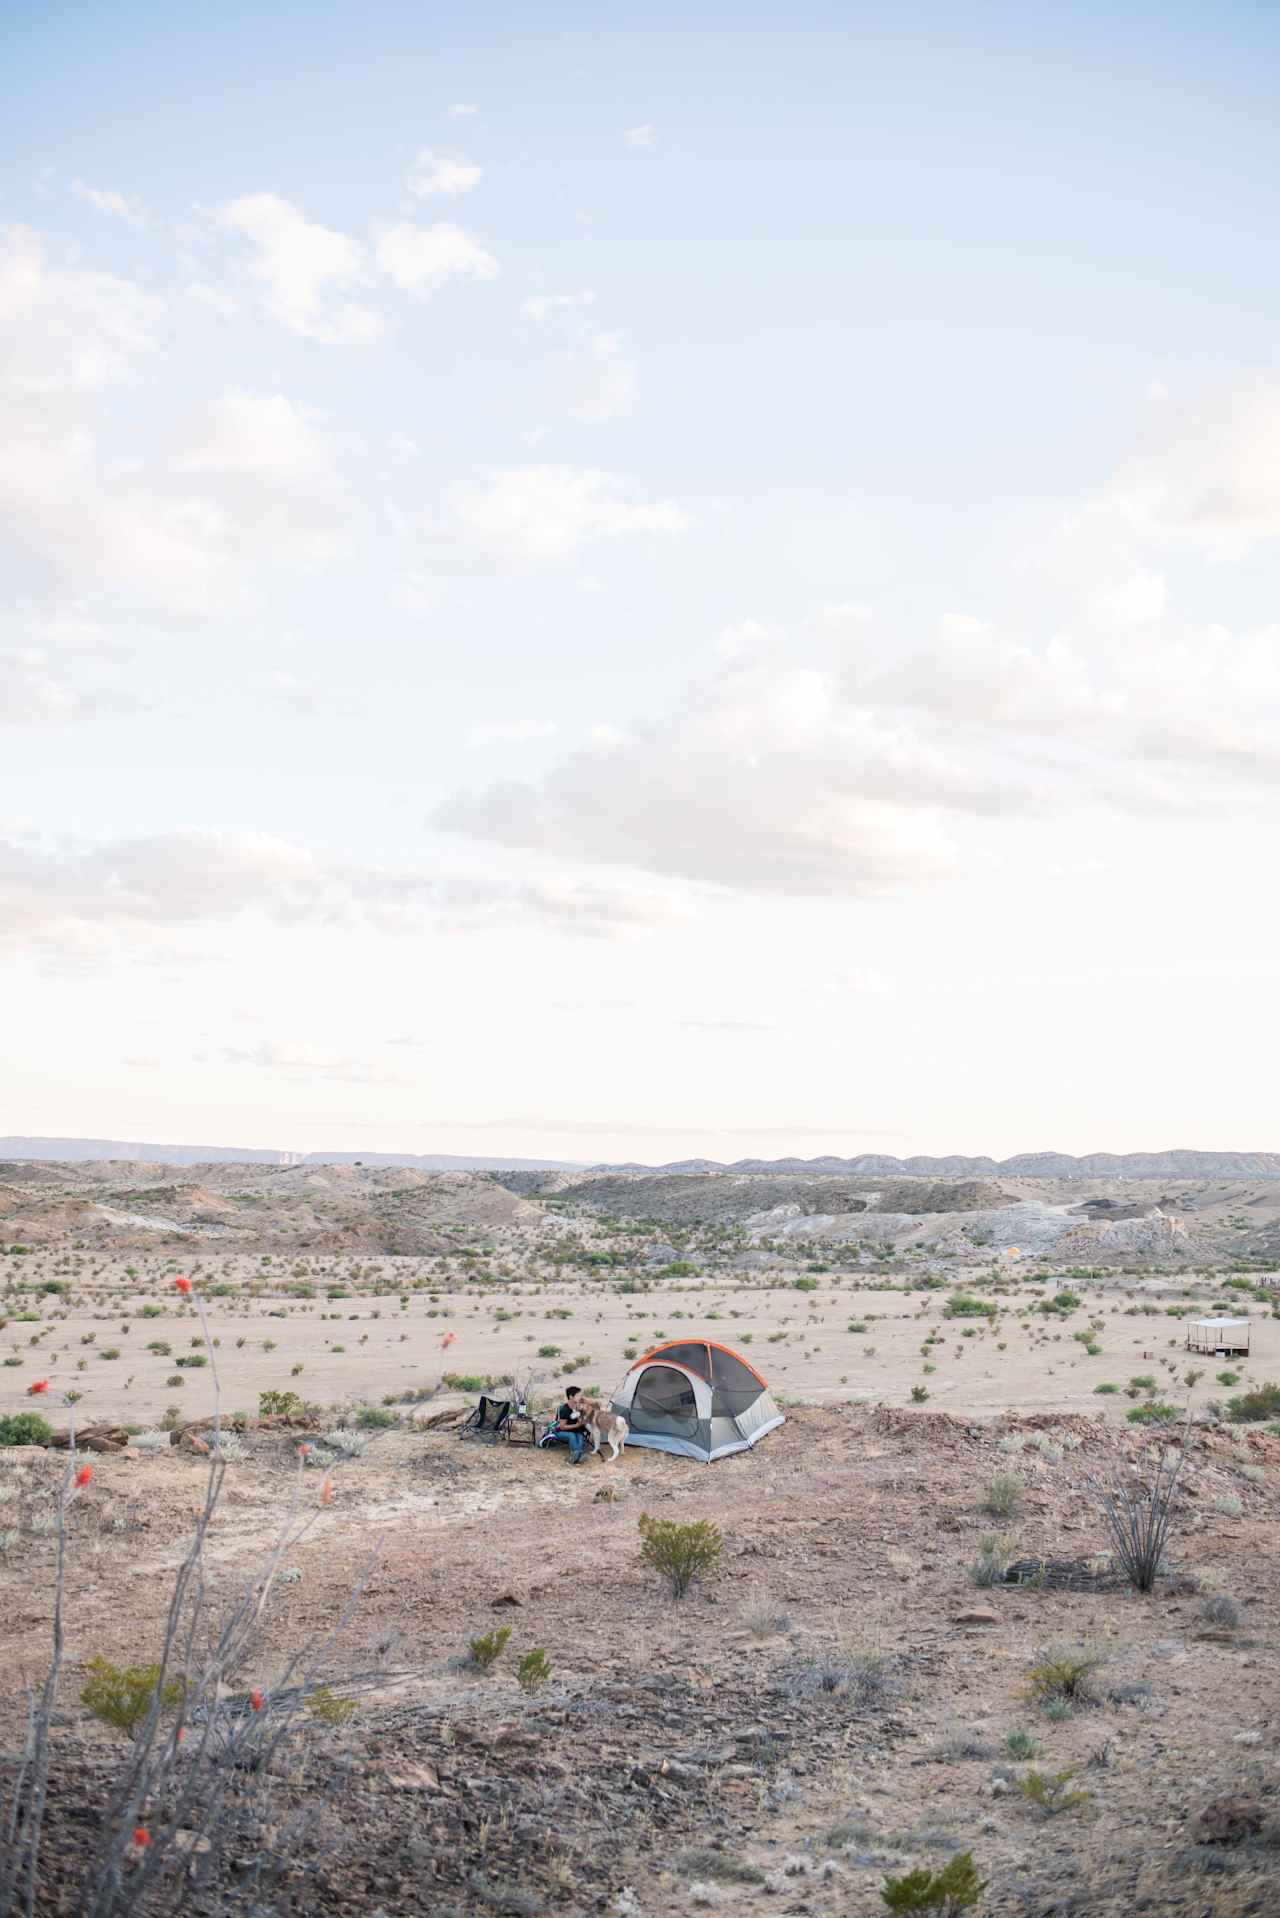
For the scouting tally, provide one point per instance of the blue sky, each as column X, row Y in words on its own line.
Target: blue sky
column 703, row 582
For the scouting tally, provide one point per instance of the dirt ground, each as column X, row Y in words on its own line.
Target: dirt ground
column 400, row 1327
column 830, row 1706
column 710, row 1750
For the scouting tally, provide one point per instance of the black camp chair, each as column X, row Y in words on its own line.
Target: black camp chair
column 489, row 1420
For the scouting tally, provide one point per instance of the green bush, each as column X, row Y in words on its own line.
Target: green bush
column 1003, row 1496
column 534, row 1670
column 1051, row 1790
column 1106, row 1386
column 680, row 1553
column 374, row 1418
column 122, row 1696
column 944, row 1894
column 961, row 1305
column 1154, row 1412
column 1063, row 1673
column 281, row 1405
column 919, row 1393
column 25, row 1428
column 1250, row 1408
column 487, row 1649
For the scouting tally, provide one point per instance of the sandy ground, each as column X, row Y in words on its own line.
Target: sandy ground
column 369, row 1346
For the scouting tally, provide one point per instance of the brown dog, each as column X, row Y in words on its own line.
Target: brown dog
column 604, row 1426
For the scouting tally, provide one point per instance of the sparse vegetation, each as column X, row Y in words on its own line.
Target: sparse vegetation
column 946, row 1893
column 1051, row 1791
column 680, row 1553
column 122, row 1696
column 484, row 1651
column 1063, row 1674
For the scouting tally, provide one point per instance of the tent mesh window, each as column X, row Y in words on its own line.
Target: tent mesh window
column 664, row 1403
column 734, row 1386
column 692, row 1357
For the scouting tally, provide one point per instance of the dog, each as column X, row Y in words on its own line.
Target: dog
column 604, row 1427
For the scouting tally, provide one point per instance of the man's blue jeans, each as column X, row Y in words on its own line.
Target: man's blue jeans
column 577, row 1446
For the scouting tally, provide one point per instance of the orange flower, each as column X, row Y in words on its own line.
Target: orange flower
column 84, row 1475
column 303, row 1449
column 326, row 1492
column 182, row 1285
column 255, row 1700
column 37, row 1385
column 141, row 1837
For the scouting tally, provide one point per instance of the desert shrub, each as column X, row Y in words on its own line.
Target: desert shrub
column 1250, row 1408
column 762, row 1617
column 534, row 1670
column 943, row 1894
column 1051, row 1791
column 1020, row 1744
column 464, row 1382
column 161, row 1347
column 702, row 1862
column 122, row 1696
column 345, row 1443
column 1107, row 1386
column 281, row 1405
column 152, row 1441
column 549, row 1351
column 680, row 1553
column 327, row 1708
column 919, row 1393
column 862, row 1679
column 1228, row 1378
column 1229, row 1505
column 1003, row 1496
column 1154, row 1412
column 25, row 1428
column 1139, row 1516
column 375, row 1418
column 1222, row 1611
column 995, row 1549
column 962, row 1305
column 484, row 1652
column 1063, row 1672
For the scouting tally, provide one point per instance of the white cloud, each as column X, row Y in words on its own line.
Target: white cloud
column 307, row 270
column 119, row 205
column 762, row 780
column 86, row 900
column 422, row 259
column 637, row 138
column 608, row 380
column 58, row 671
column 250, row 433
column 304, row 1062
column 435, row 172
column 501, row 732
column 461, row 111
column 541, row 305
column 543, row 516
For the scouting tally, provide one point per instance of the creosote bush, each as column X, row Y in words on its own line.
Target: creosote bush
column 121, row 1696
column 942, row 1894
column 1051, row 1791
column 327, row 1708
column 25, row 1428
column 485, row 1651
column 534, row 1670
column 680, row 1553
column 1063, row 1673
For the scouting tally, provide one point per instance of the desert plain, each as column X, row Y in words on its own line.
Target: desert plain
column 854, row 1692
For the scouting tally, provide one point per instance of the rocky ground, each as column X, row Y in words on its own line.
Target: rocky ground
column 834, row 1704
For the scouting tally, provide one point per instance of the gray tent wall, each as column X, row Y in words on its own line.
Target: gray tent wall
column 669, row 1408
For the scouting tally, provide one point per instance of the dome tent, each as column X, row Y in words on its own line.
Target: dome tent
column 696, row 1399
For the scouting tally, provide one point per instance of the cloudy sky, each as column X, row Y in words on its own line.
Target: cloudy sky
column 593, row 588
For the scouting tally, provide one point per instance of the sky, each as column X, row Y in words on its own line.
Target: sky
column 602, row 586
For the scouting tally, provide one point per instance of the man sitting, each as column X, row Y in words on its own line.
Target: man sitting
column 570, row 1427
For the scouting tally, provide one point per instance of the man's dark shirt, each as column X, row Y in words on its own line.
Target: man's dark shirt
column 569, row 1415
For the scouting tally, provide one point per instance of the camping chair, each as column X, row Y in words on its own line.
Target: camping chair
column 489, row 1420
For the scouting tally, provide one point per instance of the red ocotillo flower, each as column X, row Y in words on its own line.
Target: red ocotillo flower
column 37, row 1385
column 182, row 1285
column 255, row 1700
column 84, row 1475
column 141, row 1837
column 326, row 1492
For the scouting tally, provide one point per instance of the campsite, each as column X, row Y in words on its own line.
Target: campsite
column 501, row 1705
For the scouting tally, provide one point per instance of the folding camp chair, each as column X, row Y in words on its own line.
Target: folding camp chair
column 488, row 1421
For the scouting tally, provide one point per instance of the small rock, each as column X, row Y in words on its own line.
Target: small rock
column 976, row 1615
column 1247, row 1738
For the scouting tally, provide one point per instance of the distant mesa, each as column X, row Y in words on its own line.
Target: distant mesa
column 1177, row 1164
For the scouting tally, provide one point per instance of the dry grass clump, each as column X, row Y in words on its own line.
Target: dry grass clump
column 1063, row 1674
